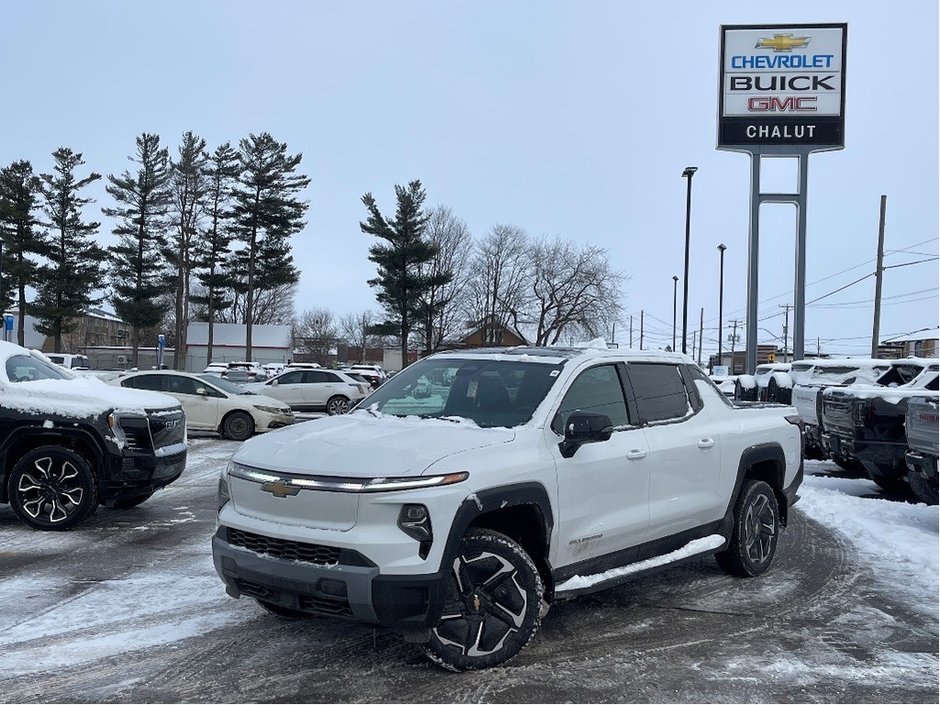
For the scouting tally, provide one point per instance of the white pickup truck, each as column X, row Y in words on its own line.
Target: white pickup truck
column 470, row 491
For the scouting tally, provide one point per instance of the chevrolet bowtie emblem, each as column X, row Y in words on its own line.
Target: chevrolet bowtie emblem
column 280, row 489
column 782, row 42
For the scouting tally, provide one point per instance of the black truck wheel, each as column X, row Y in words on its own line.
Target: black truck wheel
column 493, row 604
column 885, row 478
column 52, row 489
column 756, row 529
column 238, row 426
column 924, row 488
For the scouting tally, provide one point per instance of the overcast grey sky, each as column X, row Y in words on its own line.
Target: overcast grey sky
column 563, row 118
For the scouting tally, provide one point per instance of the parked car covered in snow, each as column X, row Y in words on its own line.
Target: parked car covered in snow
column 867, row 422
column 68, row 444
column 765, row 384
column 811, row 377
column 474, row 488
column 214, row 403
column 922, row 424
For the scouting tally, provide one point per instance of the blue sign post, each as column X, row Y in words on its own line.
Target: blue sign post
column 7, row 325
column 161, row 344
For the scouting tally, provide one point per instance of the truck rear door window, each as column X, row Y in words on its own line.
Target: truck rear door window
column 660, row 391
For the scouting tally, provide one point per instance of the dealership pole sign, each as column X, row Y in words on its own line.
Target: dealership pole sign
column 781, row 94
column 782, row 85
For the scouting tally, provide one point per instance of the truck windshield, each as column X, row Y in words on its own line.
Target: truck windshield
column 27, row 368
column 488, row 392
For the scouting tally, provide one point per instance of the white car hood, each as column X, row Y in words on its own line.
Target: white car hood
column 358, row 445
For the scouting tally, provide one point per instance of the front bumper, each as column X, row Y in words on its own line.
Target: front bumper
column 132, row 474
column 268, row 422
column 346, row 585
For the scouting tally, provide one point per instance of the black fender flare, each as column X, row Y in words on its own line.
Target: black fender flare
column 759, row 453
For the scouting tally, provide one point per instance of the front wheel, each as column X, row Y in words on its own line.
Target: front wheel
column 52, row 489
column 337, row 405
column 924, row 489
column 885, row 478
column 493, row 604
column 238, row 426
column 756, row 529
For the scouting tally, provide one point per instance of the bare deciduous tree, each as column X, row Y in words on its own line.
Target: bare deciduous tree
column 571, row 289
column 315, row 332
column 441, row 306
column 355, row 327
column 497, row 287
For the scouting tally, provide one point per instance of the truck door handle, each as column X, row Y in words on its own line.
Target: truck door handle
column 706, row 443
column 636, row 454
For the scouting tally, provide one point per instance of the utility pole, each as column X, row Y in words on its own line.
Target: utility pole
column 641, row 329
column 817, row 346
column 631, row 331
column 613, row 333
column 701, row 330
column 879, row 273
column 734, row 338
column 694, row 334
column 786, row 325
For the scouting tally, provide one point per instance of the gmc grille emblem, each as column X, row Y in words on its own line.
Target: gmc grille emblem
column 280, row 489
column 171, row 424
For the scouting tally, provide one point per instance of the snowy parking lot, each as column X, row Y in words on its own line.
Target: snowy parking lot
column 128, row 608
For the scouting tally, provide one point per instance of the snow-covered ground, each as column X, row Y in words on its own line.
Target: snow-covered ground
column 898, row 540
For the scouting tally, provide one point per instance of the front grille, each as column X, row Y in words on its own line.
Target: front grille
column 137, row 435
column 837, row 414
column 337, row 606
column 283, row 549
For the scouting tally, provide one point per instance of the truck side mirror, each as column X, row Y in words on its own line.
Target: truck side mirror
column 584, row 427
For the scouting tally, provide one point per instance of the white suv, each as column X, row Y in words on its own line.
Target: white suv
column 474, row 488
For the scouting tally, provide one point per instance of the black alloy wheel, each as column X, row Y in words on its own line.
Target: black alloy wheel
column 756, row 530
column 493, row 604
column 52, row 489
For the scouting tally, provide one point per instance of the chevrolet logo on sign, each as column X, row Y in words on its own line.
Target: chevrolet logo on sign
column 782, row 42
column 280, row 489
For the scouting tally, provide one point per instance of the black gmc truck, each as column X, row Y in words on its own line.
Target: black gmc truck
column 68, row 443
column 867, row 422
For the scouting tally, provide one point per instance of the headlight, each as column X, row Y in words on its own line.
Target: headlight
column 415, row 521
column 269, row 409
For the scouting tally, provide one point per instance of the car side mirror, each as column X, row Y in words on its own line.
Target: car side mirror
column 201, row 391
column 274, row 383
column 584, row 427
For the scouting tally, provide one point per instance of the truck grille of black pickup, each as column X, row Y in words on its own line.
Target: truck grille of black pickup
column 285, row 550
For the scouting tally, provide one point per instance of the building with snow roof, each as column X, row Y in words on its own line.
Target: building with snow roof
column 922, row 343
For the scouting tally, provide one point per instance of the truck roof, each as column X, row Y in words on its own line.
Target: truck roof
column 554, row 355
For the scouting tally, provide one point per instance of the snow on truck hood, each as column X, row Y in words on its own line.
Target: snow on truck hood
column 82, row 397
column 358, row 445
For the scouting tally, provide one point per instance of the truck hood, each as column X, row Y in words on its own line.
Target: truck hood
column 80, row 397
column 359, row 445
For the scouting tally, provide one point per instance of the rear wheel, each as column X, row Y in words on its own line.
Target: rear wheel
column 493, row 604
column 924, row 489
column 52, row 489
column 238, row 426
column 885, row 479
column 756, row 529
column 337, row 405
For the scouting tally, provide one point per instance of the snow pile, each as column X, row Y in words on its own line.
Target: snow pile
column 747, row 381
column 783, row 380
column 900, row 541
column 595, row 344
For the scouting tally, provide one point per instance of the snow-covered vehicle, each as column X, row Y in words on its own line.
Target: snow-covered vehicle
column 921, row 458
column 867, row 422
column 68, row 443
column 810, row 377
column 768, row 383
column 475, row 488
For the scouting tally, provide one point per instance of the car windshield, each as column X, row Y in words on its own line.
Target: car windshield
column 28, row 368
column 223, row 384
column 487, row 392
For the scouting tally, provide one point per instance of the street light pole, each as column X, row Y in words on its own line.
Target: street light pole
column 687, row 173
column 675, row 282
column 721, row 295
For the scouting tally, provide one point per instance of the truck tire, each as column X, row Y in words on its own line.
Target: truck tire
column 493, row 604
column 885, row 479
column 52, row 488
column 924, row 489
column 756, row 530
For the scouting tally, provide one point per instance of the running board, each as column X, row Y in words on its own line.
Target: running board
column 578, row 584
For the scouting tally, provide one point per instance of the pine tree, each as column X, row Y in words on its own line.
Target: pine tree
column 143, row 201
column 19, row 194
column 76, row 263
column 400, row 282
column 215, row 241
column 188, row 185
column 267, row 212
